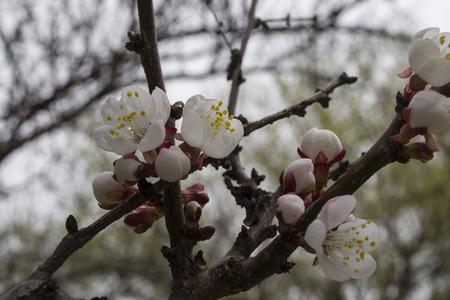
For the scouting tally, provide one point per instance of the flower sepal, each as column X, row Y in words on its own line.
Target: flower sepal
column 419, row 151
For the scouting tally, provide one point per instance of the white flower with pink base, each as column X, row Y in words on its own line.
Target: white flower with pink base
column 206, row 125
column 135, row 122
column 429, row 56
column 342, row 243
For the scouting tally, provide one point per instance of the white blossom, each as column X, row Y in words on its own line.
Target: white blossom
column 342, row 243
column 206, row 125
column 430, row 110
column 135, row 122
column 429, row 56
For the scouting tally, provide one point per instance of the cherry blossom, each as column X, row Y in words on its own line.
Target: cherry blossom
column 135, row 122
column 429, row 56
column 342, row 243
column 206, row 125
column 428, row 112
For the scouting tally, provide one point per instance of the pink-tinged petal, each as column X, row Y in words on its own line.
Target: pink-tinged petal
column 330, row 270
column 315, row 235
column 288, row 182
column 193, row 129
column 291, row 207
column 154, row 137
column 431, row 142
column 336, row 210
column 405, row 74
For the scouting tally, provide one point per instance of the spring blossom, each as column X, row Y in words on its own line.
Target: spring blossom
column 135, row 122
column 206, row 125
column 342, row 242
column 429, row 56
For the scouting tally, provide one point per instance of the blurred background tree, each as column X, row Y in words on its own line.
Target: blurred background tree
column 61, row 60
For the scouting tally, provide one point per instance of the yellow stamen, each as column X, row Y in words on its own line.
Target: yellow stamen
column 129, row 94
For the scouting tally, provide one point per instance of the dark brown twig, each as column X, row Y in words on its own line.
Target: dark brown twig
column 237, row 56
column 322, row 97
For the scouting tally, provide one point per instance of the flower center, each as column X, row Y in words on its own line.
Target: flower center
column 347, row 245
column 217, row 119
column 132, row 124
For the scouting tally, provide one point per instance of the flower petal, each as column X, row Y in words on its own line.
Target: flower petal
column 336, row 210
column 154, row 137
column 219, row 146
column 315, row 235
column 100, row 137
column 191, row 102
column 330, row 269
column 193, row 129
column 358, row 269
column 162, row 102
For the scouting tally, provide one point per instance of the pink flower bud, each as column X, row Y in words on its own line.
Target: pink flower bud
column 195, row 193
column 419, row 151
column 142, row 218
column 289, row 209
column 321, row 146
column 108, row 191
column 172, row 164
column 428, row 112
column 298, row 177
column 129, row 169
column 193, row 212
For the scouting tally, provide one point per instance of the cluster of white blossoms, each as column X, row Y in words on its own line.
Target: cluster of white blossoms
column 428, row 111
column 340, row 241
column 136, row 122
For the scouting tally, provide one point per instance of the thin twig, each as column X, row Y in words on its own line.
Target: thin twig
column 299, row 109
column 219, row 25
column 236, row 78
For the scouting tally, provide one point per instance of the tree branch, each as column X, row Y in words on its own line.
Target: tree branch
column 77, row 239
column 322, row 97
column 236, row 61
